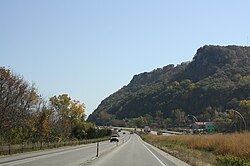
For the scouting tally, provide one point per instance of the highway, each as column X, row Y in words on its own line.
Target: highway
column 130, row 151
column 65, row 156
column 136, row 152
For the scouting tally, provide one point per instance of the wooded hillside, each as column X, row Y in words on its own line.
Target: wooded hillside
column 216, row 80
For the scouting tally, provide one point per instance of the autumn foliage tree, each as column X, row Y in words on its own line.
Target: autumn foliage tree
column 17, row 102
column 67, row 114
column 44, row 125
column 25, row 116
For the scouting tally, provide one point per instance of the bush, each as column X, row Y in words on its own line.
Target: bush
column 231, row 161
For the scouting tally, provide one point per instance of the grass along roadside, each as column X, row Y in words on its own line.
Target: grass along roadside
column 199, row 150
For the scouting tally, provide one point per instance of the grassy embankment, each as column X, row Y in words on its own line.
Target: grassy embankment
column 199, row 150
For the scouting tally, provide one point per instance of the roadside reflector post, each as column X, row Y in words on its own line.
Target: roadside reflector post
column 22, row 147
column 97, row 149
column 9, row 150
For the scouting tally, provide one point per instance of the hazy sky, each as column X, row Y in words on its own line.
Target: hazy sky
column 90, row 49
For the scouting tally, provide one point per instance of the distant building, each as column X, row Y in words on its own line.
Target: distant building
column 207, row 126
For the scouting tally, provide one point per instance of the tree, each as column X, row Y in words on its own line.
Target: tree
column 76, row 113
column 67, row 114
column 149, row 119
column 180, row 117
column 17, row 102
column 79, row 130
column 159, row 117
column 245, row 110
column 25, row 116
column 167, row 122
column 44, row 125
column 138, row 122
column 60, row 107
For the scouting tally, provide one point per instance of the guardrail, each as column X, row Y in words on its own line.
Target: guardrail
column 21, row 148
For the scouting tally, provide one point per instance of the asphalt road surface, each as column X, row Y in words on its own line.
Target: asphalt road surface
column 136, row 152
column 66, row 156
column 130, row 151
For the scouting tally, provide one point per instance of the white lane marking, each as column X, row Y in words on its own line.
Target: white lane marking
column 151, row 152
column 21, row 162
column 17, row 162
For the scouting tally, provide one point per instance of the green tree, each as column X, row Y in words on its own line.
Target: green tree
column 245, row 110
column 79, row 130
column 168, row 122
column 149, row 119
column 180, row 117
column 159, row 118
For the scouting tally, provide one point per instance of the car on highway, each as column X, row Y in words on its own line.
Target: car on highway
column 114, row 138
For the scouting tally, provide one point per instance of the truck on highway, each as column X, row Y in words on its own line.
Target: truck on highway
column 147, row 129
